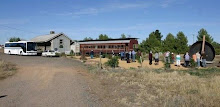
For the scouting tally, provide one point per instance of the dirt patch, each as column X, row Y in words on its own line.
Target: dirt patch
column 47, row 81
column 124, row 64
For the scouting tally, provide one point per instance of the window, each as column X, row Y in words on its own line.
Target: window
column 61, row 46
column 61, row 41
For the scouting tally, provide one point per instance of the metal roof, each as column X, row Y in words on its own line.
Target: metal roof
column 104, row 42
column 108, row 39
column 46, row 38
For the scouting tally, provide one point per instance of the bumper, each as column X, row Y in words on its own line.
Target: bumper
column 30, row 54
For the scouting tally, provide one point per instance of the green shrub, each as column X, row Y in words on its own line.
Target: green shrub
column 57, row 54
column 113, row 62
column 167, row 65
column 217, row 51
column 71, row 52
column 192, row 63
column 138, row 59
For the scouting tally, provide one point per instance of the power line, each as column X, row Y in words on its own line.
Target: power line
column 18, row 29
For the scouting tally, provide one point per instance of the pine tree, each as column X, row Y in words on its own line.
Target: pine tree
column 169, row 43
column 181, row 43
column 203, row 32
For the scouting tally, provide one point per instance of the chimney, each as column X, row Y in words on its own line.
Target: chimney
column 52, row 32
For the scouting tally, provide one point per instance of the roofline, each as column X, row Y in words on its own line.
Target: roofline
column 108, row 39
column 56, row 35
column 19, row 42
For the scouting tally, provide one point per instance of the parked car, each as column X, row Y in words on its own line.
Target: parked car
column 49, row 53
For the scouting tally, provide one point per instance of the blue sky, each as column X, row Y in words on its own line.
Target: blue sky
column 89, row 18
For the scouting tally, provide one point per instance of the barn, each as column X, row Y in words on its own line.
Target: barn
column 108, row 46
column 57, row 42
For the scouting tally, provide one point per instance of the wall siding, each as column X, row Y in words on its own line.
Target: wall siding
column 55, row 43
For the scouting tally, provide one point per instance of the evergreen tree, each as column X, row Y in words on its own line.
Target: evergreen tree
column 123, row 36
column 14, row 39
column 151, row 43
column 158, row 35
column 87, row 38
column 103, row 37
column 203, row 32
column 216, row 46
column 169, row 43
column 181, row 43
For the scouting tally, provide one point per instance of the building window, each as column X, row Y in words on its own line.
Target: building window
column 61, row 41
column 61, row 46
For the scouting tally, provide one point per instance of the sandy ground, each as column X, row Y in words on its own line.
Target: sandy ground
column 52, row 82
column 126, row 65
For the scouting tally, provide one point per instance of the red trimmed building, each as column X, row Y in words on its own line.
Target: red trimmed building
column 107, row 46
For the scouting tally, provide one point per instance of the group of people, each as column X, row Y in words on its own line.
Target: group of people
column 168, row 57
column 197, row 58
column 128, row 56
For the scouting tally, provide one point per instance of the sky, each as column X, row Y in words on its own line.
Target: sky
column 90, row 18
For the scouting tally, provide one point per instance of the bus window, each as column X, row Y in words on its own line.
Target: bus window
column 31, row 46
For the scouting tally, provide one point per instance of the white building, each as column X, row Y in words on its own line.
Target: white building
column 75, row 46
column 58, row 42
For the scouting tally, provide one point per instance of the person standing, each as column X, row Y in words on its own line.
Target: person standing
column 187, row 59
column 178, row 58
column 133, row 55
column 198, row 57
column 172, row 57
column 113, row 54
column 203, row 59
column 156, row 58
column 150, row 57
column 194, row 57
column 129, row 55
column 122, row 55
column 91, row 54
column 167, row 55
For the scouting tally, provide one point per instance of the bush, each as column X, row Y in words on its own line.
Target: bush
column 71, row 52
column 113, row 62
column 57, row 54
column 60, row 54
column 138, row 59
column 192, row 63
column 167, row 65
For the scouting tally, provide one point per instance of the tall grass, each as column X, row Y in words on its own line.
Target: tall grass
column 7, row 69
column 146, row 87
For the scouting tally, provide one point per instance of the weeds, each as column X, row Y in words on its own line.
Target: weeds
column 159, row 87
column 6, row 69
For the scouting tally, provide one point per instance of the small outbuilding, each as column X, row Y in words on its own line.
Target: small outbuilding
column 57, row 42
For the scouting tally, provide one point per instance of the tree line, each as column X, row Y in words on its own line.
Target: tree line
column 174, row 43
column 106, row 37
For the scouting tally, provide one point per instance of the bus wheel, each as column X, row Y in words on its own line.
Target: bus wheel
column 21, row 53
column 9, row 52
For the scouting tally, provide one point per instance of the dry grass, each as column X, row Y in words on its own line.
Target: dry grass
column 6, row 69
column 138, row 87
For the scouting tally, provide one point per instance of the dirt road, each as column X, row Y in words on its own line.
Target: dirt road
column 40, row 82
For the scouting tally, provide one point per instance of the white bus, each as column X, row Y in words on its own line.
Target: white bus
column 20, row 48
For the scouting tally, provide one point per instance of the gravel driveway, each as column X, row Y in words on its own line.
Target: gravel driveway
column 42, row 82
